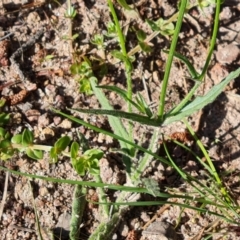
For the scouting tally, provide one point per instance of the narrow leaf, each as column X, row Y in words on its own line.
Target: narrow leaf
column 194, row 74
column 120, row 114
column 201, row 102
column 115, row 124
column 123, row 94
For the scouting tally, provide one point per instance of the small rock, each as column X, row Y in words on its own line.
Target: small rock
column 156, row 77
column 226, row 13
column 33, row 18
column 46, row 133
column 16, row 118
column 218, row 73
column 43, row 191
column 159, row 231
column 64, row 221
column 4, row 47
column 227, row 54
column 105, row 171
column 43, row 121
column 66, row 124
column 123, row 229
column 23, row 192
column 25, row 106
column 59, row 101
column 50, row 90
column 57, row 203
column 32, row 115
column 57, row 120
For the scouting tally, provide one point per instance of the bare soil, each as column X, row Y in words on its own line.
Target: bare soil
column 49, row 83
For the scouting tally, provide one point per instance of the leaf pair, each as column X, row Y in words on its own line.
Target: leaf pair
column 87, row 162
column 25, row 140
column 59, row 146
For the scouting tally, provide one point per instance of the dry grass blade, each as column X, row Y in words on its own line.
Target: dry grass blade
column 4, row 194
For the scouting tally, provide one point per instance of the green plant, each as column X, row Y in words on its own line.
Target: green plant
column 202, row 195
column 83, row 73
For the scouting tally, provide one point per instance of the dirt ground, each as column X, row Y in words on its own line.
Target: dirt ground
column 48, row 82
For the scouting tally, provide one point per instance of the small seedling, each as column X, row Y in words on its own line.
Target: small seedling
column 111, row 30
column 163, row 26
column 141, row 36
column 98, row 40
column 86, row 162
column 83, row 72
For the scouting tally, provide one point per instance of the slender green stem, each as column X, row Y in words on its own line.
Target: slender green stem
column 78, row 206
column 124, row 52
column 38, row 147
column 102, row 198
column 105, row 230
column 118, row 28
column 34, row 146
column 210, row 163
column 70, row 29
column 213, row 40
column 201, row 76
column 185, row 100
column 170, row 58
column 74, row 182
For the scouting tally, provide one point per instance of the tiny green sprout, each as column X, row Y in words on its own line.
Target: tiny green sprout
column 75, row 36
column 2, row 102
column 66, row 37
column 84, row 73
column 85, row 86
column 205, row 3
column 26, row 141
column 111, row 30
column 124, row 4
column 141, row 36
column 83, row 69
column 216, row 141
column 4, row 118
column 4, row 134
column 59, row 147
column 48, row 57
column 6, row 150
column 98, row 40
column 161, row 25
column 71, row 12
column 87, row 162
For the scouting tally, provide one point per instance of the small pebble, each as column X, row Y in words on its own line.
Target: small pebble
column 32, row 115
column 227, row 54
